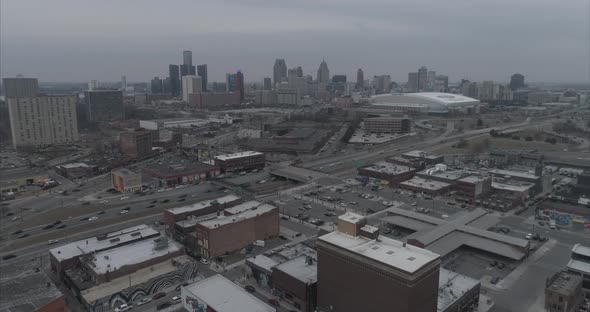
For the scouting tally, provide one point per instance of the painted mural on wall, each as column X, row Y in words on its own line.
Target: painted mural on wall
column 187, row 272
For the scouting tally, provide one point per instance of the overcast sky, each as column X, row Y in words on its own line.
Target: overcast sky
column 79, row 40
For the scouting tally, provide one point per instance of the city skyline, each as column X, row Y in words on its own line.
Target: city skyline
column 80, row 52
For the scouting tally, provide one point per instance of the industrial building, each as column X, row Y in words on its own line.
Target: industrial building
column 172, row 170
column 240, row 161
column 219, row 294
column 360, row 271
column 387, row 125
column 425, row 102
column 462, row 229
column 125, row 180
column 390, row 172
column 206, row 207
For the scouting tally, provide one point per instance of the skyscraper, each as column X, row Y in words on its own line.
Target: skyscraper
column 323, row 73
column 231, row 82
column 202, row 72
column 42, row 120
column 402, row 277
column 412, row 85
column 360, row 79
column 157, row 85
column 123, row 83
column 187, row 58
column 422, row 78
column 516, row 82
column 104, row 105
column 292, row 77
column 190, row 84
column 240, row 84
column 20, row 87
column 299, row 71
column 267, row 83
column 174, row 76
column 187, row 70
column 279, row 72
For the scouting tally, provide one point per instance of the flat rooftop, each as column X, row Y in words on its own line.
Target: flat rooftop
column 110, row 240
column 451, row 286
column 142, row 251
column 473, row 179
column 20, row 173
column 237, row 155
column 388, row 168
column 136, row 278
column 420, row 154
column 124, row 172
column 351, row 217
column 579, row 266
column 512, row 173
column 222, row 295
column 387, row 251
column 243, row 207
column 300, row 269
column 244, row 215
column 170, row 166
column 203, row 204
column 452, row 175
column 24, row 289
column 511, row 185
column 565, row 283
column 425, row 184
column 581, row 250
column 263, row 262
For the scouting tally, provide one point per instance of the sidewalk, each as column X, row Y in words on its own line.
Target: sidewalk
column 264, row 294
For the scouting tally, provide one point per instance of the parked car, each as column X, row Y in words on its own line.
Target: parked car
column 124, row 307
column 250, row 288
column 204, row 261
column 176, row 299
column 529, row 236
column 143, row 301
column 159, row 295
column 495, row 280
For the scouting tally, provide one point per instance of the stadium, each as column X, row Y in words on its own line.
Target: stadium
column 425, row 102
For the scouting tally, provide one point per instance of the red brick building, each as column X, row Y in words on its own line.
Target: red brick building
column 226, row 234
column 136, row 144
column 174, row 215
column 393, row 173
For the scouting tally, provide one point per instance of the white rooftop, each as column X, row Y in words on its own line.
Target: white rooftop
column 142, row 251
column 248, row 214
column 220, row 294
column 451, row 286
column 92, row 244
column 203, row 204
column 300, row 269
column 443, row 98
column 513, row 173
column 386, row 167
column 351, row 217
column 243, row 207
column 580, row 266
column 237, row 155
column 263, row 262
column 388, row 251
column 512, row 186
column 581, row 250
column 425, row 184
column 473, row 179
column 74, row 165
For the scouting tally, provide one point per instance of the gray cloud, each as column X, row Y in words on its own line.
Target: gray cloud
column 63, row 40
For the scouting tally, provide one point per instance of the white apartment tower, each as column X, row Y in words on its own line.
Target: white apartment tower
column 190, row 84
column 43, row 120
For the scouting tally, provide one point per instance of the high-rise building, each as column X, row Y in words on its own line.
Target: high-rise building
column 442, row 83
column 157, row 85
column 104, row 105
column 339, row 79
column 93, row 85
column 516, row 82
column 240, row 84
column 323, row 73
column 190, row 84
column 422, row 78
column 166, row 85
column 299, row 71
column 42, row 120
column 123, row 83
column 267, row 83
column 279, row 71
column 231, row 82
column 187, row 70
column 402, row 277
column 382, row 84
column 412, row 85
column 360, row 78
column 430, row 80
column 20, row 87
column 292, row 77
column 202, row 72
column 174, row 76
column 187, row 58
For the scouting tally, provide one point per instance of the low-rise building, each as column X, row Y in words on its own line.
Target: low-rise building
column 240, row 161
column 206, row 207
column 446, row 176
column 393, row 173
column 219, row 294
column 225, row 234
column 457, row 292
column 520, row 189
column 77, row 170
column 429, row 159
column 563, row 292
column 14, row 180
column 295, row 281
column 429, row 187
column 387, row 125
column 579, row 264
column 125, row 180
column 172, row 170
column 214, row 99
column 473, row 186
